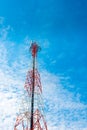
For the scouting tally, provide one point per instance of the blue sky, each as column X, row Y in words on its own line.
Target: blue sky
column 60, row 28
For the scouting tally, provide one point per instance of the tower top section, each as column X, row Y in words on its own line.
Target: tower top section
column 34, row 48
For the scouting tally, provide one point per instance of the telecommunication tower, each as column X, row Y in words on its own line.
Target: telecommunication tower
column 32, row 118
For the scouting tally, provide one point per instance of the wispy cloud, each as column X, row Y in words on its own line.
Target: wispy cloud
column 1, row 20
column 63, row 110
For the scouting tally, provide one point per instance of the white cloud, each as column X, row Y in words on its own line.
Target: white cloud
column 62, row 110
column 4, row 30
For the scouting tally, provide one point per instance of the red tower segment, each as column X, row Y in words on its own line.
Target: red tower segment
column 34, row 49
column 33, row 118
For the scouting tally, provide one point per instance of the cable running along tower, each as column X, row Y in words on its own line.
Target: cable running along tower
column 32, row 116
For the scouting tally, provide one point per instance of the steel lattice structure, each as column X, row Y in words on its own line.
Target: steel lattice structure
column 32, row 117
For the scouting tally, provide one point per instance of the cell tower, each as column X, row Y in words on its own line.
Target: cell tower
column 32, row 117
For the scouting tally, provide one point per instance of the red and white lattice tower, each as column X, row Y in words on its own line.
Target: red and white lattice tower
column 32, row 116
